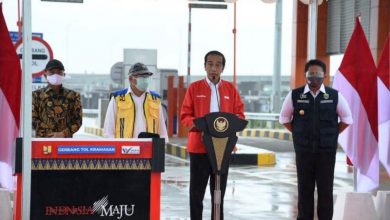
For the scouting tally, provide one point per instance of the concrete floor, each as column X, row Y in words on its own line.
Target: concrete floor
column 252, row 192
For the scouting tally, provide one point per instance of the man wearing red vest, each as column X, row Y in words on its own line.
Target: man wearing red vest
column 211, row 94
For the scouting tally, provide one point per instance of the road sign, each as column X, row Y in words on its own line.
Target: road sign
column 41, row 54
column 15, row 36
column 117, row 72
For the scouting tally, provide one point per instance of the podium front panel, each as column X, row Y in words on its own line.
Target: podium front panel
column 93, row 179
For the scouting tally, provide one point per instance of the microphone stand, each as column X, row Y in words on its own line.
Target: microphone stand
column 217, row 197
column 217, row 190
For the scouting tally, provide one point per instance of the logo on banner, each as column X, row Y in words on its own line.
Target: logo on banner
column 118, row 211
column 100, row 207
column 221, row 124
column 131, row 150
column 46, row 149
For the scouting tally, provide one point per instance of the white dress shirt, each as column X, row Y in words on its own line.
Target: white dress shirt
column 342, row 109
column 214, row 99
column 140, row 121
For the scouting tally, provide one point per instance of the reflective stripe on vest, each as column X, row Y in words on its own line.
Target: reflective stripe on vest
column 126, row 111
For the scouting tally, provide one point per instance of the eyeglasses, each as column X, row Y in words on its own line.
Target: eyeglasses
column 315, row 74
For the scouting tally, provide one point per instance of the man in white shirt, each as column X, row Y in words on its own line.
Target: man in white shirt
column 315, row 114
column 135, row 109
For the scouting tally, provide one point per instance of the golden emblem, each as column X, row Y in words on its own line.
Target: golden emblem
column 221, row 124
column 326, row 96
column 46, row 149
column 301, row 112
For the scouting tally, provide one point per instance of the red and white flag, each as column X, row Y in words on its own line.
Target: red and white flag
column 384, row 106
column 356, row 80
column 10, row 89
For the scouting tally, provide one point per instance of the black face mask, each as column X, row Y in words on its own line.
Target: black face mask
column 314, row 81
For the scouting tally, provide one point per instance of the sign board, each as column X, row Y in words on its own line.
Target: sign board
column 15, row 36
column 38, row 79
column 117, row 72
column 41, row 54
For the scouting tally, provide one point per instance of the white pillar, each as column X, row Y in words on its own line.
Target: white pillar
column 26, row 125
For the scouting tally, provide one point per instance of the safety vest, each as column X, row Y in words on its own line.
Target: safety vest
column 125, row 118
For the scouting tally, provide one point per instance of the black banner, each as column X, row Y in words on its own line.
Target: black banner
column 90, row 194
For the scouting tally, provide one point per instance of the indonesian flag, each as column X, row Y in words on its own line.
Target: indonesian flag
column 384, row 106
column 10, row 87
column 356, row 80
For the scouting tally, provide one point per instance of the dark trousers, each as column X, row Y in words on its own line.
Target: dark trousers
column 312, row 169
column 200, row 171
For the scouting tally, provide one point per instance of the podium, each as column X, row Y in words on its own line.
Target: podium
column 77, row 179
column 219, row 137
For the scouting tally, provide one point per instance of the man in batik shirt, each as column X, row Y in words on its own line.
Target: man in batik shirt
column 56, row 111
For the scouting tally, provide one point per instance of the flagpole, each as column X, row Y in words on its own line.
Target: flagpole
column 312, row 33
column 354, row 178
column 26, row 109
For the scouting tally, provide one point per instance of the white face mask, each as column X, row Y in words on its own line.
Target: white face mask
column 143, row 83
column 55, row 79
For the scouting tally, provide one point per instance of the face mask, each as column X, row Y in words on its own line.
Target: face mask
column 314, row 81
column 142, row 83
column 55, row 79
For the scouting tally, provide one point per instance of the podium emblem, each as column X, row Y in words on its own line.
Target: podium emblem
column 221, row 124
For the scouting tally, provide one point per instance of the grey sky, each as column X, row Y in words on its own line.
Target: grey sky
column 90, row 37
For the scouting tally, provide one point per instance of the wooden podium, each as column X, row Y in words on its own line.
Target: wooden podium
column 76, row 179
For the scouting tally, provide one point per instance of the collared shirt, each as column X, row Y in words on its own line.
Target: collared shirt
column 56, row 111
column 140, row 121
column 343, row 110
column 214, row 99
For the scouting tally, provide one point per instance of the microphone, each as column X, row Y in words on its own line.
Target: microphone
column 216, row 93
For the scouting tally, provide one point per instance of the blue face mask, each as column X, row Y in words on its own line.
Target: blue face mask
column 142, row 83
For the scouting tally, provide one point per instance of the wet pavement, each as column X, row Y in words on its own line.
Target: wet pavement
column 253, row 192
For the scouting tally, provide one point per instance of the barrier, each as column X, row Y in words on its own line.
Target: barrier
column 95, row 131
column 354, row 206
column 5, row 205
column 382, row 205
column 277, row 134
column 245, row 155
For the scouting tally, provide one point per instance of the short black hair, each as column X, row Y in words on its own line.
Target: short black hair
column 215, row 52
column 54, row 64
column 315, row 62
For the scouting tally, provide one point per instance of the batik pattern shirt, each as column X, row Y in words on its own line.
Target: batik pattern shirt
column 56, row 111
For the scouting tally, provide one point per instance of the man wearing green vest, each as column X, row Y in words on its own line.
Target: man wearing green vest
column 135, row 109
